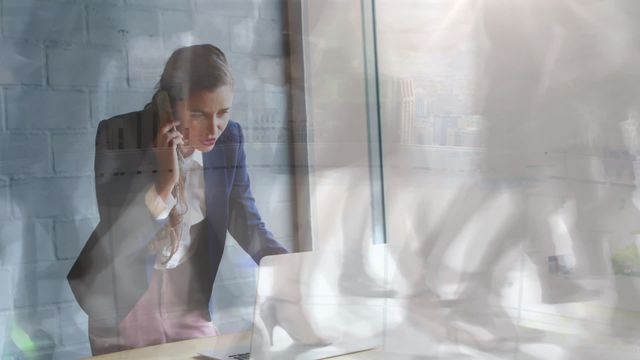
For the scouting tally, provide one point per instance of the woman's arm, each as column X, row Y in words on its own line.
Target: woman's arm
column 245, row 224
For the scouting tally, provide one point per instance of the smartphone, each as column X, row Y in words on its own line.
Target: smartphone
column 164, row 107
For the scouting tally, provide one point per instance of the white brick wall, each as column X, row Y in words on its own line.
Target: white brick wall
column 260, row 37
column 118, row 25
column 88, row 66
column 244, row 8
column 31, row 108
column 272, row 9
column 67, row 64
column 36, row 243
column 108, row 2
column 146, row 59
column 42, row 284
column 18, row 155
column 70, row 235
column 61, row 21
column 168, row 4
column 212, row 27
column 66, row 197
column 105, row 104
column 5, row 280
column 73, row 153
column 22, row 63
column 176, row 22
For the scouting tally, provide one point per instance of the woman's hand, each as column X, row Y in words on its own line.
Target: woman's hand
column 167, row 140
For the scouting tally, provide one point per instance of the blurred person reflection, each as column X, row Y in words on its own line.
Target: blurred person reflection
column 169, row 186
column 414, row 53
column 554, row 86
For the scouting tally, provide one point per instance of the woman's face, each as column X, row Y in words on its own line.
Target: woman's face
column 203, row 117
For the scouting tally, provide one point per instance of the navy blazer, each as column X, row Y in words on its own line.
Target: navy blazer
column 111, row 272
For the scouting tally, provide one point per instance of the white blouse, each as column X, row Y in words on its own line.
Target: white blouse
column 194, row 194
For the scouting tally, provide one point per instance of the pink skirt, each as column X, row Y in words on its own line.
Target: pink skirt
column 161, row 315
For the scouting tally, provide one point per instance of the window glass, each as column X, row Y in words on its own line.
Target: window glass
column 509, row 147
column 67, row 66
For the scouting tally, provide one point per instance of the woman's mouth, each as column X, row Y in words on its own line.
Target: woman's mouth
column 209, row 142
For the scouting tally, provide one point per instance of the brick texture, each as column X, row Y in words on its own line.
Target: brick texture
column 53, row 197
column 175, row 23
column 87, row 66
column 70, row 235
column 118, row 25
column 61, row 21
column 212, row 28
column 42, row 284
column 22, row 63
column 272, row 9
column 35, row 245
column 25, row 154
column 73, row 153
column 245, row 8
column 106, row 104
column 168, row 4
column 146, row 61
column 33, row 108
column 260, row 37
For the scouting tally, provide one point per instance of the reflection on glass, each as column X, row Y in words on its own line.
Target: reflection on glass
column 522, row 114
column 504, row 170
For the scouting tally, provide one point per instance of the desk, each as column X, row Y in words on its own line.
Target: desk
column 189, row 349
column 180, row 349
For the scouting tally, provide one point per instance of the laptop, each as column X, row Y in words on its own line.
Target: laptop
column 275, row 275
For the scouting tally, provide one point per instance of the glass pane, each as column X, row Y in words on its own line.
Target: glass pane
column 509, row 134
column 65, row 68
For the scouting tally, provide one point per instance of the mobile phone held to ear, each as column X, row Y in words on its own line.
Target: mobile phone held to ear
column 164, row 108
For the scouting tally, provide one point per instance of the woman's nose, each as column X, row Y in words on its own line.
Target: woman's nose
column 216, row 126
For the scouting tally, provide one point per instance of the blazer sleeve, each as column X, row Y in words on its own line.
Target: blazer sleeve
column 111, row 267
column 245, row 224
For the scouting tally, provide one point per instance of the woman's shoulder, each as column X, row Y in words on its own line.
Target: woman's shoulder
column 125, row 131
column 232, row 134
column 122, row 120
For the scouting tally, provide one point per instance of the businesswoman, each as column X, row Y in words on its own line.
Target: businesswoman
column 169, row 184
